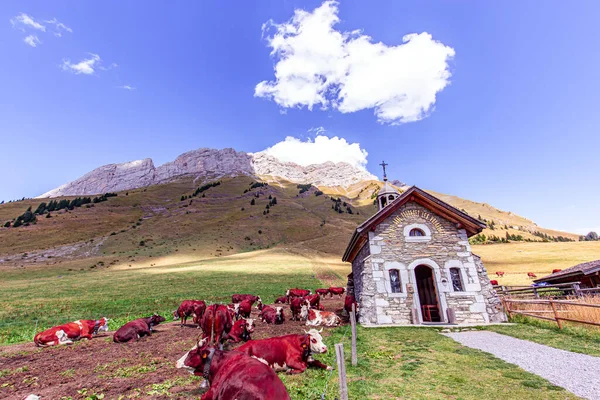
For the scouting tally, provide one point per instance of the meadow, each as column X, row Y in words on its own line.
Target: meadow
column 393, row 362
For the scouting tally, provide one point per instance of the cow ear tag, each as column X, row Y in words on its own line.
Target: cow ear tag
column 203, row 355
column 304, row 345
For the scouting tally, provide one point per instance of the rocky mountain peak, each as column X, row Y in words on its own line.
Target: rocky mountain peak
column 208, row 164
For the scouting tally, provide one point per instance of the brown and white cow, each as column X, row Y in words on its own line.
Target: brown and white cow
column 317, row 318
column 348, row 301
column 233, row 375
column 137, row 328
column 313, row 301
column 336, row 290
column 296, row 306
column 499, row 273
column 281, row 300
column 241, row 330
column 272, row 315
column 68, row 333
column 189, row 308
column 238, row 298
column 291, row 353
column 297, row 293
column 322, row 292
column 531, row 275
column 243, row 309
column 216, row 324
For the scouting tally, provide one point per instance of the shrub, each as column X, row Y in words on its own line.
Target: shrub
column 304, row 188
column 252, row 202
column 7, row 224
column 318, row 193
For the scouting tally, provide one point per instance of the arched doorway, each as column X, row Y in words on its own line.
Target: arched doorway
column 428, row 296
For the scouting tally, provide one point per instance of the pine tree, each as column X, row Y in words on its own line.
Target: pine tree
column 252, row 202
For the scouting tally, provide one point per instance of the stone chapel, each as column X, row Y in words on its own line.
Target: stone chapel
column 412, row 264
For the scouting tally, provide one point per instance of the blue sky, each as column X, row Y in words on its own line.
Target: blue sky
column 514, row 123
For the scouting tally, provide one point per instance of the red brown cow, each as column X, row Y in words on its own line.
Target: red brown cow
column 68, row 333
column 494, row 282
column 216, row 323
column 531, row 275
column 233, row 375
column 272, row 315
column 238, row 298
column 296, row 307
column 243, row 309
column 556, row 270
column 281, row 300
column 313, row 300
column 322, row 292
column 297, row 293
column 499, row 273
column 336, row 290
column 291, row 353
column 241, row 330
column 348, row 301
column 317, row 318
column 137, row 328
column 188, row 308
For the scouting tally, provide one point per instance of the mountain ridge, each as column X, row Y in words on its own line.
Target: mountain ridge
column 206, row 163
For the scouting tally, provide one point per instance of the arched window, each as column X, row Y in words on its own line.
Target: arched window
column 391, row 197
column 383, row 202
column 416, row 232
column 456, row 279
column 395, row 281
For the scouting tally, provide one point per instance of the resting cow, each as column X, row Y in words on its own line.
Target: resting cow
column 137, row 328
column 68, row 333
column 189, row 308
column 317, row 318
column 233, row 375
column 291, row 353
column 216, row 323
column 336, row 290
column 322, row 292
column 281, row 300
column 272, row 315
column 241, row 330
column 493, row 282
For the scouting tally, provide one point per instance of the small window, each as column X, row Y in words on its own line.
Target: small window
column 456, row 280
column 391, row 197
column 416, row 232
column 395, row 281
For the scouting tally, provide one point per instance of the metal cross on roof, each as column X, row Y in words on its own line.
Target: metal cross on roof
column 383, row 164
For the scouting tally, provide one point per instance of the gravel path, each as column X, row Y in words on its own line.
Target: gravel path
column 578, row 373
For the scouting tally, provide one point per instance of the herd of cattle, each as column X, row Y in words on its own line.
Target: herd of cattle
column 530, row 275
column 248, row 371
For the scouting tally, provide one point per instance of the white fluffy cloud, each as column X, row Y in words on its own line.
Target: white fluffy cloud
column 86, row 66
column 347, row 71
column 32, row 40
column 319, row 150
column 23, row 20
column 59, row 27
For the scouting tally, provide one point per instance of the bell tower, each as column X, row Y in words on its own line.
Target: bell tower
column 387, row 193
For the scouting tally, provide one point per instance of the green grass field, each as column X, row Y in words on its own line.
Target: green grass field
column 394, row 363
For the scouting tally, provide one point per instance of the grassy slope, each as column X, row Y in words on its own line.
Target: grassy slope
column 518, row 258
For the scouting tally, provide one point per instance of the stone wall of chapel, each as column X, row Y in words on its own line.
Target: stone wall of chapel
column 448, row 247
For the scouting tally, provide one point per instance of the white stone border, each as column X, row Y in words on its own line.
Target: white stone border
column 403, row 274
column 415, row 239
column 438, row 283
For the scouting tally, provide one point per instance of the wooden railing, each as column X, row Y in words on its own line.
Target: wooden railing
column 553, row 291
column 557, row 310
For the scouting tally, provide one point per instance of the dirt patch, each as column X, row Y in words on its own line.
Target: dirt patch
column 142, row 369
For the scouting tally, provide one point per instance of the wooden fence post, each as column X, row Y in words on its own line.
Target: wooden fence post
column 353, row 327
column 556, row 317
column 577, row 289
column 339, row 354
column 506, row 308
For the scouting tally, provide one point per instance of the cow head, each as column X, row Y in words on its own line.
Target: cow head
column 304, row 311
column 287, row 293
column 155, row 320
column 197, row 360
column 259, row 303
column 316, row 341
column 250, row 325
column 175, row 315
column 236, row 308
column 279, row 317
column 102, row 324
